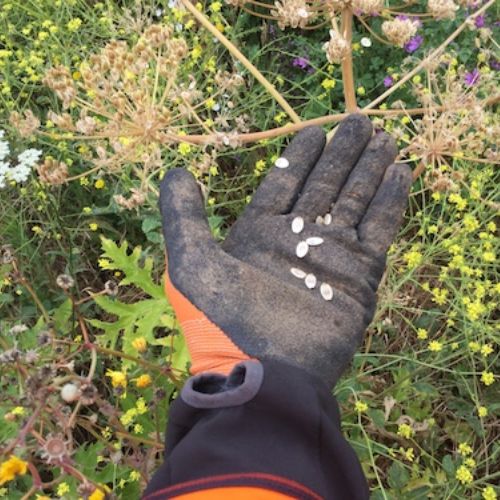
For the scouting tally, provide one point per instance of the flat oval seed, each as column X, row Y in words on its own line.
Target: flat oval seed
column 298, row 273
column 326, row 291
column 282, row 163
column 311, row 281
column 314, row 241
column 297, row 225
column 319, row 220
column 302, row 249
column 327, row 219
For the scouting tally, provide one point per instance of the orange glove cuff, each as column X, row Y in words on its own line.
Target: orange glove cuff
column 210, row 348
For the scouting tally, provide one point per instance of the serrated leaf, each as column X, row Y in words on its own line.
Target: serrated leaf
column 62, row 315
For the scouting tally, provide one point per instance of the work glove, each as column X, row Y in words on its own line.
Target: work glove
column 295, row 280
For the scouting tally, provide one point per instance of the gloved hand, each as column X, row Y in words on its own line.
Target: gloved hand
column 282, row 286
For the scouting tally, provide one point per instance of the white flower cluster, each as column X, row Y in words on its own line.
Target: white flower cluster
column 20, row 172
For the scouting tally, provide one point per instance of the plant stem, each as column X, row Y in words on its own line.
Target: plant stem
column 238, row 55
column 347, row 69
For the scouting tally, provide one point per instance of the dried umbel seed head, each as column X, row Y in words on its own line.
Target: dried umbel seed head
column 337, row 49
column 31, row 357
column 55, row 449
column 17, row 329
column 236, row 3
column 336, row 5
column 6, row 254
column 399, row 31
column 111, row 288
column 10, row 356
column 26, row 125
column 136, row 199
column 88, row 394
column 65, row 281
column 368, row 6
column 442, row 9
column 70, row 393
column 294, row 13
column 60, row 81
column 52, row 171
column 44, row 337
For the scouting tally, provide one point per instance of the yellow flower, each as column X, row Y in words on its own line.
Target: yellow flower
column 464, row 449
column 482, row 411
column 184, row 148
column 439, row 295
column 413, row 258
column 215, row 6
column 422, row 333
column 118, row 379
column 140, row 344
column 74, row 24
column 470, row 462
column 361, row 91
column 143, row 381
column 97, row 495
column 62, row 489
column 489, row 493
column 134, row 476
column 328, row 83
column 489, row 256
column 435, row 346
column 491, row 226
column 11, row 468
column 487, row 378
column 474, row 346
column 486, row 350
column 405, row 431
column 360, row 406
column 464, row 475
column 93, row 226
column 99, row 183
column 409, row 454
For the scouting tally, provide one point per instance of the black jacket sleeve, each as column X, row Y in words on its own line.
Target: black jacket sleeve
column 269, row 425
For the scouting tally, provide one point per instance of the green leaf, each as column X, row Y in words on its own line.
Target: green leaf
column 62, row 315
column 398, row 476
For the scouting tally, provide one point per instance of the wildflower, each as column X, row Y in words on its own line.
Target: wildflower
column 65, row 281
column 439, row 295
column 405, row 431
column 70, row 393
column 489, row 256
column 408, row 454
column 52, row 171
column 413, row 44
column 138, row 429
column 435, row 346
column 472, row 77
column 143, row 381
column 464, row 475
column 118, row 379
column 328, row 83
column 140, row 344
column 487, row 378
column 489, row 493
column 99, row 183
column 97, row 494
column 361, row 91
column 482, row 411
column 480, row 21
column 93, row 226
column 301, row 62
column 360, row 406
column 474, row 346
column 366, row 42
column 475, row 310
column 388, row 81
column 134, row 476
column 55, row 449
column 74, row 24
column 294, row 13
column 470, row 462
column 442, row 9
column 486, row 350
column 11, row 468
column 464, row 449
column 413, row 258
column 372, row 7
column 422, row 334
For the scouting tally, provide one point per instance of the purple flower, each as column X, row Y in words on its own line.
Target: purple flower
column 413, row 44
column 402, row 17
column 495, row 64
column 300, row 62
column 480, row 21
column 388, row 81
column 472, row 77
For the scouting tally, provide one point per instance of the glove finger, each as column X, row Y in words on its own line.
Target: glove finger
column 185, row 223
column 328, row 176
column 279, row 190
column 364, row 180
column 384, row 216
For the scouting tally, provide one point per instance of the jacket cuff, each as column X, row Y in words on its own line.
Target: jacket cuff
column 213, row 390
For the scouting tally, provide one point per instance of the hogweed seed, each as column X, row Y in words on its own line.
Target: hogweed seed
column 314, row 241
column 327, row 219
column 297, row 225
column 326, row 291
column 302, row 249
column 282, row 163
column 298, row 273
column 311, row 281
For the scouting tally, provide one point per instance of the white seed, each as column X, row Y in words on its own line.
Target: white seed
column 298, row 273
column 297, row 225
column 314, row 241
column 326, row 291
column 282, row 162
column 328, row 219
column 311, row 281
column 302, row 249
column 69, row 393
column 319, row 220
